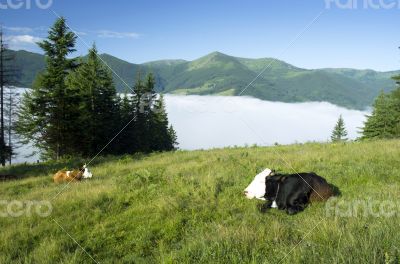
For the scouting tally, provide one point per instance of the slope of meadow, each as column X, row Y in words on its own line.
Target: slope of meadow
column 188, row 207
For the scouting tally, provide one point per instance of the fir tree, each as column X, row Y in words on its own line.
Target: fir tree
column 173, row 138
column 163, row 135
column 143, row 100
column 8, row 74
column 48, row 115
column 149, row 130
column 395, row 96
column 98, row 105
column 339, row 133
column 126, row 140
column 381, row 123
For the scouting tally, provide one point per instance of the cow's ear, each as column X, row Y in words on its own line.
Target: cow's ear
column 272, row 173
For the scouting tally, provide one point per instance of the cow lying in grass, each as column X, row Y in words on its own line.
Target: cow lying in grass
column 75, row 175
column 290, row 192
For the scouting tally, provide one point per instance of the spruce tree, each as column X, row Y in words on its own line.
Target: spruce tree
column 126, row 140
column 149, row 130
column 339, row 132
column 98, row 105
column 48, row 115
column 163, row 134
column 143, row 100
column 8, row 76
column 173, row 138
column 381, row 123
column 395, row 96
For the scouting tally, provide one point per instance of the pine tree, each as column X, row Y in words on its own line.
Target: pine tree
column 98, row 105
column 163, row 134
column 395, row 96
column 339, row 133
column 143, row 100
column 150, row 130
column 173, row 138
column 126, row 140
column 381, row 123
column 48, row 115
column 8, row 74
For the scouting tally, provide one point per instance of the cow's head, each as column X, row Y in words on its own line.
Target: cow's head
column 272, row 187
column 86, row 172
column 256, row 188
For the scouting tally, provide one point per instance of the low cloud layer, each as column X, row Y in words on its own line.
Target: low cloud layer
column 204, row 122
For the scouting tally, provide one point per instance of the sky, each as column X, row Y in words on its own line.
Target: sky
column 306, row 33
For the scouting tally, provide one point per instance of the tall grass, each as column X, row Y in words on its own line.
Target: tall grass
column 188, row 207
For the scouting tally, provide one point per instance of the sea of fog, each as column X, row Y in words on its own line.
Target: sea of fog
column 204, row 122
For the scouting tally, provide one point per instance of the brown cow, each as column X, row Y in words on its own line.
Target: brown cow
column 75, row 175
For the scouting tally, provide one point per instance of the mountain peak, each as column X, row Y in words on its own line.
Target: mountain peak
column 215, row 54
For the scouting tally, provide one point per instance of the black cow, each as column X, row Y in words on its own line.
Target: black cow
column 293, row 192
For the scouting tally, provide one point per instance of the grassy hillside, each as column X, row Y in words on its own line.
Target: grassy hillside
column 188, row 207
column 218, row 73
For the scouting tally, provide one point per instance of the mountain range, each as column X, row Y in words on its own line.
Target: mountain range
column 221, row 74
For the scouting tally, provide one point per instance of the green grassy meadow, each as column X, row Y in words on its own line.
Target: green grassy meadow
column 188, row 207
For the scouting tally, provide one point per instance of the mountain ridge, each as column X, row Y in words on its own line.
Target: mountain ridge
column 220, row 74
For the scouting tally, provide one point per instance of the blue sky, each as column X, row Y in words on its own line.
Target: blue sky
column 139, row 31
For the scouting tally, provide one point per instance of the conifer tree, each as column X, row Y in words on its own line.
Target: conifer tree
column 173, row 138
column 48, row 115
column 98, row 105
column 381, row 123
column 339, row 133
column 143, row 100
column 126, row 140
column 163, row 134
column 8, row 74
column 150, row 130
column 395, row 95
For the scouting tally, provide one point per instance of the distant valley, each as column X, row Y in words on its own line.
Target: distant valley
column 221, row 74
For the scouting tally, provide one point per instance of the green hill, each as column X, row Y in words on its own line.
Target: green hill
column 28, row 65
column 218, row 73
column 188, row 207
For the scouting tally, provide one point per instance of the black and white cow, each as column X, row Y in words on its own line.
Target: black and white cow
column 290, row 192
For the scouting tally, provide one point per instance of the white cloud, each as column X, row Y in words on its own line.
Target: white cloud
column 115, row 34
column 22, row 39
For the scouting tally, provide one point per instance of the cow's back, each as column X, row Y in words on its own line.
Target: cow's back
column 67, row 176
column 59, row 176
